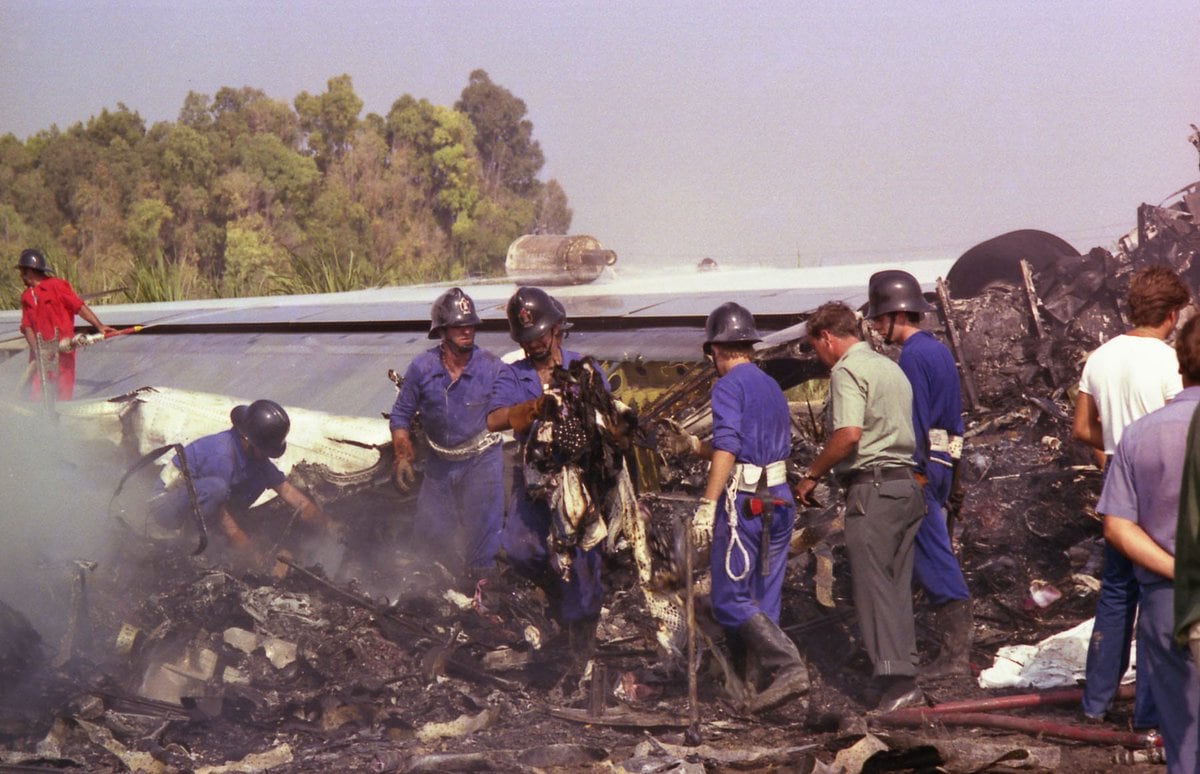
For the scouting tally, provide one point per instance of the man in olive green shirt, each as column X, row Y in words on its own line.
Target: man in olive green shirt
column 870, row 451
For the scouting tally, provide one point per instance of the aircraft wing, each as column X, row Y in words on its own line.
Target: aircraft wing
column 331, row 352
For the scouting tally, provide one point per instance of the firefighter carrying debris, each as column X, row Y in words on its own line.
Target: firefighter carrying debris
column 537, row 322
column 229, row 470
column 747, row 511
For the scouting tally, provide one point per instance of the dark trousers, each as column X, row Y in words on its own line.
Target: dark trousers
column 1112, row 633
column 1169, row 672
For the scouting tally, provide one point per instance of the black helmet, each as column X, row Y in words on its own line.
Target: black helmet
column 563, row 324
column 265, row 425
column 453, row 307
column 32, row 258
column 532, row 312
column 894, row 290
column 730, row 323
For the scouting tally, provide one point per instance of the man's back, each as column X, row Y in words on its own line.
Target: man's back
column 1143, row 483
column 1128, row 377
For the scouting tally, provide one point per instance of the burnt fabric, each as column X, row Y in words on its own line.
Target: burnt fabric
column 466, row 494
column 751, row 422
column 528, row 520
column 49, row 309
column 937, row 403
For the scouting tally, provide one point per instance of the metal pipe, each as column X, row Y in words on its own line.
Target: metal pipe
column 1019, row 701
column 956, row 346
column 692, row 735
column 1031, row 726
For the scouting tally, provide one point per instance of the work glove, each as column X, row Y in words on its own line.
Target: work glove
column 404, row 474
column 673, row 439
column 702, row 523
column 521, row 416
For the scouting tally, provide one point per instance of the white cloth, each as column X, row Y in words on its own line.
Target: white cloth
column 1128, row 377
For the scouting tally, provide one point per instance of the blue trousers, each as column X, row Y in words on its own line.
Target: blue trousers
column 1172, row 677
column 465, row 498
column 173, row 509
column 736, row 601
column 1108, row 650
column 935, row 567
column 524, row 539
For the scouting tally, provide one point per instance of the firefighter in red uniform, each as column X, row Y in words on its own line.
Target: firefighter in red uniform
column 48, row 308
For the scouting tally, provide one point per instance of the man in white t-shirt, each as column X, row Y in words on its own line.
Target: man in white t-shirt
column 1123, row 380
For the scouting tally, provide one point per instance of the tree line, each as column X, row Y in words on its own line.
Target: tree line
column 248, row 195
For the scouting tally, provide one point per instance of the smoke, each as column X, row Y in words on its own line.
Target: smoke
column 54, row 489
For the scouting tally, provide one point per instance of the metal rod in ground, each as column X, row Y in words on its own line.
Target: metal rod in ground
column 692, row 736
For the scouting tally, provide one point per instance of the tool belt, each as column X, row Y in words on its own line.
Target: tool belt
column 942, row 441
column 875, row 476
column 757, row 479
column 468, row 448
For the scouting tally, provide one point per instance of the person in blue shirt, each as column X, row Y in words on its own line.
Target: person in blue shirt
column 1140, row 503
column 450, row 386
column 895, row 307
column 230, row 470
column 751, row 441
column 537, row 322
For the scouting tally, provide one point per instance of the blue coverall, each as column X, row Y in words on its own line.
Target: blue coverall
column 527, row 525
column 222, row 474
column 937, row 403
column 751, row 422
column 463, row 495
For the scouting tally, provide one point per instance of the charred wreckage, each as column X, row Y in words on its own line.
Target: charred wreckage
column 350, row 653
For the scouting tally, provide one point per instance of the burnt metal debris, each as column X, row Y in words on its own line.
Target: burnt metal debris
column 350, row 653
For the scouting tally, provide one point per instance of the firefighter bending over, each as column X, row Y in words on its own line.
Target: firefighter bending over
column 229, row 470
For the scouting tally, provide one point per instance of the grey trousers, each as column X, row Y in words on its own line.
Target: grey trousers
column 882, row 519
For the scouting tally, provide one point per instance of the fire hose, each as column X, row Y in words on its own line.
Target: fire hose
column 972, row 713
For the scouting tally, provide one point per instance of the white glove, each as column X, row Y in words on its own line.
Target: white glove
column 702, row 522
column 673, row 439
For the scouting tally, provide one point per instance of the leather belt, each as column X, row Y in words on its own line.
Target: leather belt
column 876, row 475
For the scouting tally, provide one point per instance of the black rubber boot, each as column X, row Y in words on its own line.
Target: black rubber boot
column 779, row 661
column 958, row 627
column 581, row 639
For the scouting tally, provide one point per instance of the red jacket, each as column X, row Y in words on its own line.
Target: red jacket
column 50, row 304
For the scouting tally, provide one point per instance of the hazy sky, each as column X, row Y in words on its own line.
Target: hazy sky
column 751, row 132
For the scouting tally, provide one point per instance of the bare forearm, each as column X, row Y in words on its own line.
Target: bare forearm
column 402, row 444
column 719, row 468
column 1085, row 425
column 841, row 445
column 1131, row 540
